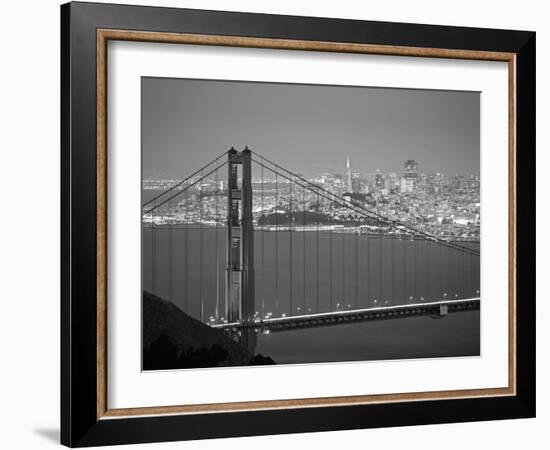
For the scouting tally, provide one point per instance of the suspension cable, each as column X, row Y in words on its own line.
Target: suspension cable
column 392, row 222
column 202, row 177
column 179, row 183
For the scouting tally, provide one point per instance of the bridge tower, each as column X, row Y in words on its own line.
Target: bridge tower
column 239, row 301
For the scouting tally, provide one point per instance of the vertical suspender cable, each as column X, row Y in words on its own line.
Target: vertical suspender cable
column 356, row 263
column 170, row 251
column 290, row 246
column 453, row 275
column 381, row 271
column 368, row 267
column 472, row 284
column 429, row 264
column 317, row 255
column 435, row 268
column 435, row 272
column 343, row 243
column 153, row 252
column 415, row 277
column 405, row 244
column 330, row 261
column 276, row 243
column 433, row 248
column 200, row 251
column 392, row 268
column 468, row 273
column 456, row 274
column 438, row 271
column 304, row 250
column 422, row 269
column 449, row 268
column 462, row 275
column 216, row 194
column 262, row 246
column 186, row 251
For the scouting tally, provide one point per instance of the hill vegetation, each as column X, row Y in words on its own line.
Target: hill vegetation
column 174, row 340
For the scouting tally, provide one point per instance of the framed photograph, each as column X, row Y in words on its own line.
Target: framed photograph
column 276, row 224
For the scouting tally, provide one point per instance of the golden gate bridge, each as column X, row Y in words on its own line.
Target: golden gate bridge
column 215, row 242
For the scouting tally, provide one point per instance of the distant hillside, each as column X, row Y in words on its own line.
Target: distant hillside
column 173, row 339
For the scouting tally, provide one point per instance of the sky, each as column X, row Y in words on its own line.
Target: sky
column 309, row 129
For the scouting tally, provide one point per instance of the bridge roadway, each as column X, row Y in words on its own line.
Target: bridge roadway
column 436, row 309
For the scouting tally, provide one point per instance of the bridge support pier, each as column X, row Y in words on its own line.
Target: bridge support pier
column 239, row 302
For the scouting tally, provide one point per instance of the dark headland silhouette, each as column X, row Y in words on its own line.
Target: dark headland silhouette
column 174, row 340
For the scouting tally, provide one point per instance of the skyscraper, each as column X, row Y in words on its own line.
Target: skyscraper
column 349, row 187
column 410, row 175
column 379, row 180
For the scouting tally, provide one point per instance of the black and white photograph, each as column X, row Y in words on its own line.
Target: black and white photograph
column 299, row 223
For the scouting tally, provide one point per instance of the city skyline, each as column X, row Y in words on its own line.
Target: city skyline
column 341, row 171
column 308, row 127
column 438, row 205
